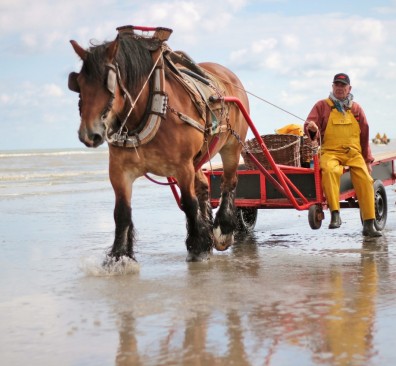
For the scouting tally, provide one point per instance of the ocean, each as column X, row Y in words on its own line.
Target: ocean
column 43, row 172
column 285, row 294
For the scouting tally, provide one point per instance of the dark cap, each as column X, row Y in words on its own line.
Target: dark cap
column 342, row 78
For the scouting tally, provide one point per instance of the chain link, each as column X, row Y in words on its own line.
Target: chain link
column 235, row 134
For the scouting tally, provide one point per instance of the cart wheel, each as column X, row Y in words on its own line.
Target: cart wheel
column 247, row 217
column 381, row 205
column 315, row 217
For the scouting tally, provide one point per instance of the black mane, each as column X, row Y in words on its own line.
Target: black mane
column 133, row 59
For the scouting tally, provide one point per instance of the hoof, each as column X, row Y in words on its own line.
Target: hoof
column 193, row 257
column 112, row 260
column 119, row 266
column 222, row 241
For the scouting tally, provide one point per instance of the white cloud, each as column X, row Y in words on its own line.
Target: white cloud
column 236, row 4
column 264, row 45
column 368, row 31
column 29, row 94
column 353, row 44
column 387, row 10
column 292, row 99
column 291, row 41
column 5, row 98
column 183, row 15
column 29, row 40
column 237, row 57
column 22, row 15
column 286, row 58
column 52, row 90
column 273, row 61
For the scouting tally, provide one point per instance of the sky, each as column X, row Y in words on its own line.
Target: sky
column 285, row 52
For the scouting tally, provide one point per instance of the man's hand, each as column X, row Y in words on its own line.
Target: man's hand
column 369, row 168
column 312, row 127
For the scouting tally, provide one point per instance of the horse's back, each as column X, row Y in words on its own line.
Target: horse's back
column 232, row 83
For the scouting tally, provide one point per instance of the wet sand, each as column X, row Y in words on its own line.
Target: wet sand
column 285, row 295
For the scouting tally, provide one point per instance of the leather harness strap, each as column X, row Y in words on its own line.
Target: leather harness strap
column 193, row 78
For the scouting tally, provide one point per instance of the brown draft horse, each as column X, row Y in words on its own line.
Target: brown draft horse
column 117, row 86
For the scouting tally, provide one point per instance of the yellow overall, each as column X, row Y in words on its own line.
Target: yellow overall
column 341, row 147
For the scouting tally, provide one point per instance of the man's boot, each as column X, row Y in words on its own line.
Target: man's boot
column 335, row 222
column 369, row 229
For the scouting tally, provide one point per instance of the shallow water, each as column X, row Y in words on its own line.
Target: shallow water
column 285, row 295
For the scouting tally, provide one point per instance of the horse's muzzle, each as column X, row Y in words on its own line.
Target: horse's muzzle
column 91, row 138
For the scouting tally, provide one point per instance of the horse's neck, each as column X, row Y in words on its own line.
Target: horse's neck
column 151, row 86
column 139, row 108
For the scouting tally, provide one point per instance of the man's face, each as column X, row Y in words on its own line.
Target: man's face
column 341, row 90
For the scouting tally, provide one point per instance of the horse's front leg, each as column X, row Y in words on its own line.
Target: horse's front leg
column 199, row 241
column 124, row 230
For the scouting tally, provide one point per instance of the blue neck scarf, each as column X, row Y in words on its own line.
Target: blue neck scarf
column 342, row 105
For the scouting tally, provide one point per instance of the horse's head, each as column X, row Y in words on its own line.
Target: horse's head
column 99, row 93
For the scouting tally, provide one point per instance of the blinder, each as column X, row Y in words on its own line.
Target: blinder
column 110, row 82
column 72, row 83
column 111, row 78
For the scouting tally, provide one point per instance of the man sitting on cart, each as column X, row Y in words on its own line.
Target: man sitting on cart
column 341, row 127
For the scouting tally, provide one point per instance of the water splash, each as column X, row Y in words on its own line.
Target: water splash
column 96, row 266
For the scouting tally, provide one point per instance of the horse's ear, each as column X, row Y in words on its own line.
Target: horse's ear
column 79, row 50
column 73, row 83
column 112, row 50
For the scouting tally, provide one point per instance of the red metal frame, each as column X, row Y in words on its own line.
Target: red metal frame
column 300, row 203
column 281, row 183
column 345, row 195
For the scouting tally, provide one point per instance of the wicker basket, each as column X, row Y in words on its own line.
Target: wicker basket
column 306, row 151
column 284, row 149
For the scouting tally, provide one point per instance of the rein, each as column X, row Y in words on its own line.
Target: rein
column 170, row 183
column 258, row 97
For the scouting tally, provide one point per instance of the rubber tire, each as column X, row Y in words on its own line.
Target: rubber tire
column 381, row 205
column 313, row 211
column 247, row 218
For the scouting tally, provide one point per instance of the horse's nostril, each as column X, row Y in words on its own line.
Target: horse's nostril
column 97, row 139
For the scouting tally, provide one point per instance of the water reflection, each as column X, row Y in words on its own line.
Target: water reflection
column 127, row 353
column 348, row 324
column 248, row 311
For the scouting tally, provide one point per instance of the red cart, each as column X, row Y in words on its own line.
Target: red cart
column 284, row 186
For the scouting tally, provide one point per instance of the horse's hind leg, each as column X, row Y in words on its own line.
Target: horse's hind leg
column 225, row 222
column 202, row 192
column 199, row 241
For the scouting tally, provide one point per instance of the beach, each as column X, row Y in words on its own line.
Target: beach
column 283, row 295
